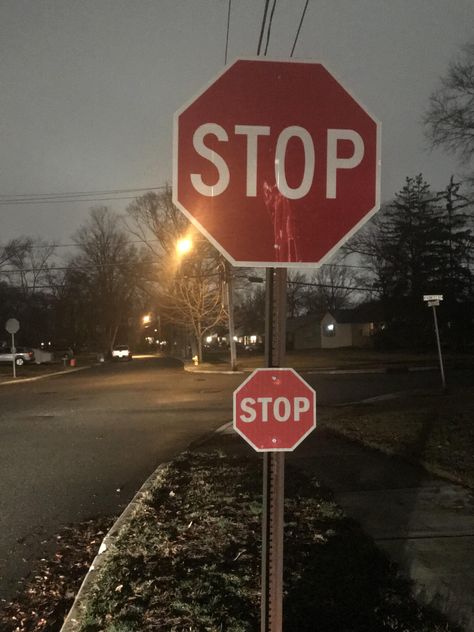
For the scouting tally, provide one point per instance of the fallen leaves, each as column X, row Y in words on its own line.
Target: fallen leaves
column 45, row 597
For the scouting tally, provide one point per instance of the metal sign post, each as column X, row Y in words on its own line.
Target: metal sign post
column 13, row 348
column 277, row 194
column 12, row 326
column 273, row 465
column 433, row 300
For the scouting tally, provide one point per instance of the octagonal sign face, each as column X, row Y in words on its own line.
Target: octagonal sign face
column 274, row 410
column 276, row 163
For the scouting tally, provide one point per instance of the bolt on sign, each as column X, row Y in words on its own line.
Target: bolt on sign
column 279, row 150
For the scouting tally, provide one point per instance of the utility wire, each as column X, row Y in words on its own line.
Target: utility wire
column 262, row 28
column 74, row 196
column 74, row 245
column 8, row 271
column 149, row 241
column 299, row 28
column 326, row 285
column 63, row 201
column 269, row 29
column 76, row 193
column 323, row 285
column 227, row 32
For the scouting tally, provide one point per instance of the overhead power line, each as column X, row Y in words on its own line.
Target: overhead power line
column 326, row 285
column 270, row 22
column 79, row 193
column 262, row 27
column 299, row 28
column 73, row 196
column 227, row 32
column 63, row 201
column 156, row 241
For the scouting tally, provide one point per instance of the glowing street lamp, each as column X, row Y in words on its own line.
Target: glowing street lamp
column 146, row 320
column 184, row 245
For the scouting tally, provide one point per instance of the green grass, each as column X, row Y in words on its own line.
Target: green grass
column 189, row 560
column 432, row 428
column 344, row 358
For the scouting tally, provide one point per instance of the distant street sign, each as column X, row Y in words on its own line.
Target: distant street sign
column 12, row 325
column 274, row 409
column 276, row 163
column 433, row 297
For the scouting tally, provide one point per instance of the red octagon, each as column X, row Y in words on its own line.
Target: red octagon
column 276, row 163
column 274, row 410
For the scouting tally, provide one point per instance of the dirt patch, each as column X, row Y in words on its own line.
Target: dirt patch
column 45, row 597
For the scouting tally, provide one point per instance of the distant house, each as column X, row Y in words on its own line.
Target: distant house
column 249, row 339
column 337, row 328
column 303, row 332
column 349, row 327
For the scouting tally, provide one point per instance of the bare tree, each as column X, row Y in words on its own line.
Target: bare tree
column 449, row 119
column 157, row 223
column 336, row 285
column 296, row 294
column 193, row 298
column 29, row 264
column 188, row 289
column 106, row 274
column 13, row 248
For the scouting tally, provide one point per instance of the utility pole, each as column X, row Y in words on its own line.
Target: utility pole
column 273, row 464
column 230, row 309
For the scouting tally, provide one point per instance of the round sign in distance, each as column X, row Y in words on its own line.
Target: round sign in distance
column 12, row 326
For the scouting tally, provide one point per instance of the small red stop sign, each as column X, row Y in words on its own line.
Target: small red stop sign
column 274, row 409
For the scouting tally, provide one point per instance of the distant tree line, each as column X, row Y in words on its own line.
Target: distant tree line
column 421, row 242
column 120, row 268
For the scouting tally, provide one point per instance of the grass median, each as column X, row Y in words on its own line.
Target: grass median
column 431, row 428
column 189, row 560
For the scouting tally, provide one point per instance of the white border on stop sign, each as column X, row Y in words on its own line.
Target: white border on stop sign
column 252, row 376
column 275, row 264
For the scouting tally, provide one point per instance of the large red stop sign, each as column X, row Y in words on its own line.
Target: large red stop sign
column 276, row 163
column 274, row 409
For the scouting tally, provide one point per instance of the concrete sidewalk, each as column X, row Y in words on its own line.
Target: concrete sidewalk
column 424, row 523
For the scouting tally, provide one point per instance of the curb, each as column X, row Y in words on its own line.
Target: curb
column 324, row 371
column 72, row 621
column 216, row 371
column 45, row 375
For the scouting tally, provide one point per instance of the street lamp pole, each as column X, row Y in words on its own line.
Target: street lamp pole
column 230, row 309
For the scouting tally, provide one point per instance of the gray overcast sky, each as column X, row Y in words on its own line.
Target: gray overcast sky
column 88, row 88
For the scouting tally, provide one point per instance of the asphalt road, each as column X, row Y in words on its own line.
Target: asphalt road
column 80, row 445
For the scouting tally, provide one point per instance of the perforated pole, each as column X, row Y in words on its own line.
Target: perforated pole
column 273, row 465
